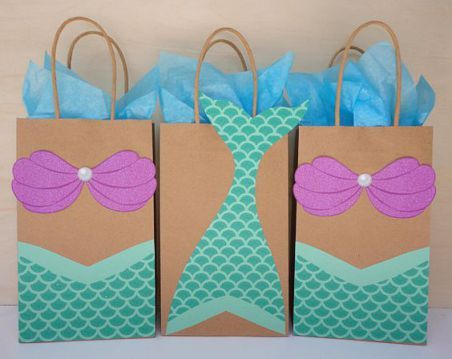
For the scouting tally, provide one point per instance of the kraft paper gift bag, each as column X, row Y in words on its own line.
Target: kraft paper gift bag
column 362, row 240
column 85, row 224
column 224, row 217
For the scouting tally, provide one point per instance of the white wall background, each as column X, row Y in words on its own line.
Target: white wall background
column 312, row 29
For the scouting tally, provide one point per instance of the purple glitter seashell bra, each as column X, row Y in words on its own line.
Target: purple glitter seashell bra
column 402, row 189
column 45, row 183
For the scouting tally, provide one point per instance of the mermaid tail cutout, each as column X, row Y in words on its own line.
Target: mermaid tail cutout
column 232, row 268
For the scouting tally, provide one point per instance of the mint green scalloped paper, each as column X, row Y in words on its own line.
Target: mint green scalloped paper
column 60, row 299
column 232, row 268
column 385, row 302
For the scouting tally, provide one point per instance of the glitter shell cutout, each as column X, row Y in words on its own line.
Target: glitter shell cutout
column 45, row 183
column 402, row 189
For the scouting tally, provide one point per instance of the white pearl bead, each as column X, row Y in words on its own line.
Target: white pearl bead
column 365, row 180
column 84, row 174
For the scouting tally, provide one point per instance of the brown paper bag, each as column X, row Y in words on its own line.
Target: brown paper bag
column 362, row 259
column 208, row 284
column 85, row 224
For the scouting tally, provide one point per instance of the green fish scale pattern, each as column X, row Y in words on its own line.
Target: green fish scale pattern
column 233, row 258
column 392, row 310
column 55, row 308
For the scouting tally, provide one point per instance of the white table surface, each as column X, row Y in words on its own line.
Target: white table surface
column 439, row 346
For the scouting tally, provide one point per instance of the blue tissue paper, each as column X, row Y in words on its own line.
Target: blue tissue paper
column 79, row 99
column 177, row 75
column 368, row 92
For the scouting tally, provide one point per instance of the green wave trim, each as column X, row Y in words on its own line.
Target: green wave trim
column 385, row 302
column 82, row 273
column 60, row 299
column 362, row 276
column 229, row 304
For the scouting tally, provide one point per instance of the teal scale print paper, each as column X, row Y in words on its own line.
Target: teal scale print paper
column 232, row 268
column 60, row 299
column 386, row 302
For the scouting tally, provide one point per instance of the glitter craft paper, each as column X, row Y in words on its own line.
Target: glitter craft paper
column 45, row 183
column 402, row 189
